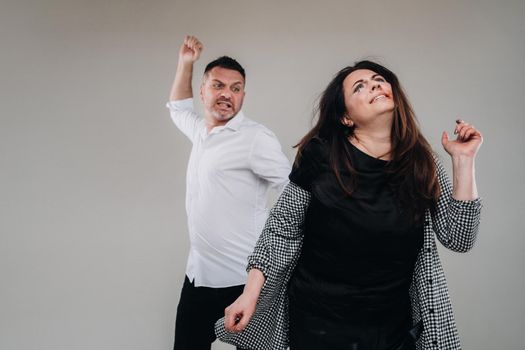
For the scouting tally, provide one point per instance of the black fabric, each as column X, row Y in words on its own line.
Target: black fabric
column 199, row 308
column 359, row 252
column 313, row 161
column 455, row 224
column 309, row 332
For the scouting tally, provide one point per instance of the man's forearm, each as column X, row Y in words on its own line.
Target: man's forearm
column 181, row 88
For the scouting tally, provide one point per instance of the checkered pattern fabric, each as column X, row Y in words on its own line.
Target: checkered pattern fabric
column 455, row 224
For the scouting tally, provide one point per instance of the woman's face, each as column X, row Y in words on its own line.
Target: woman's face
column 367, row 96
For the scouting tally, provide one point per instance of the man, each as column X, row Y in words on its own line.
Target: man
column 233, row 163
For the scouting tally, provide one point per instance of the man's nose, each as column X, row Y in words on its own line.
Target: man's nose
column 226, row 94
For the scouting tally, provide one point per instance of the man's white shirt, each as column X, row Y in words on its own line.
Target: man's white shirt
column 230, row 171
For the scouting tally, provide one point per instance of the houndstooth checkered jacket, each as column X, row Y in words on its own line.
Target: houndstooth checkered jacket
column 455, row 224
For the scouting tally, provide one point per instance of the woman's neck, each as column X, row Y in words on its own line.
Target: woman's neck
column 375, row 143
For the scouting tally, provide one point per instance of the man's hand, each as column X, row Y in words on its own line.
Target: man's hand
column 190, row 50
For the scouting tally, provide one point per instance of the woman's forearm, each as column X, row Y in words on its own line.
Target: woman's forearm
column 464, row 178
column 254, row 283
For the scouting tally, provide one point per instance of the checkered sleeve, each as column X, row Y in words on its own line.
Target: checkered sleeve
column 275, row 254
column 281, row 237
column 455, row 222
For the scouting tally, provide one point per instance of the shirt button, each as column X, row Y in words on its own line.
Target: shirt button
column 429, row 281
column 431, row 311
column 428, row 250
column 434, row 342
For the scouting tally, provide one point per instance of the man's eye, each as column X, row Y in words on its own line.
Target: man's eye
column 216, row 85
column 236, row 89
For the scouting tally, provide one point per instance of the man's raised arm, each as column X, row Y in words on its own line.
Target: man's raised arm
column 189, row 52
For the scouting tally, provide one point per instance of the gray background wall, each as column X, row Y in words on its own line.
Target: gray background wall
column 93, row 234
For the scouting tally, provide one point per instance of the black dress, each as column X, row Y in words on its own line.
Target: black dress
column 350, row 287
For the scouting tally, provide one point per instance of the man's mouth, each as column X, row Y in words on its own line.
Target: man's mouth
column 225, row 104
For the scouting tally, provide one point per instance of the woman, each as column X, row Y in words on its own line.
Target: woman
column 348, row 259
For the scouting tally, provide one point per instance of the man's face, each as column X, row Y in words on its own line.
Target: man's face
column 222, row 93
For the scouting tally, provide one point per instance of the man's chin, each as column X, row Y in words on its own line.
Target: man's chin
column 224, row 116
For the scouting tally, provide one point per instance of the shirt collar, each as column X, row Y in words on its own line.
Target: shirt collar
column 235, row 122
column 232, row 124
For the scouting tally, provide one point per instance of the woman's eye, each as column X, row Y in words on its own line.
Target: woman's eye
column 358, row 88
column 380, row 79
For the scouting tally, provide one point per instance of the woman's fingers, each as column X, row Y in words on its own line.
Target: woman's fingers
column 464, row 130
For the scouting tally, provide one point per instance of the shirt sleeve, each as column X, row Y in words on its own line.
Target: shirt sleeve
column 183, row 115
column 455, row 222
column 268, row 161
column 309, row 164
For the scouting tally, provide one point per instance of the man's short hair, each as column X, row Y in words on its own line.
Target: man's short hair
column 227, row 63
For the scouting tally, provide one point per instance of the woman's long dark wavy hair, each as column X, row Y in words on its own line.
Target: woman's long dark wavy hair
column 412, row 167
